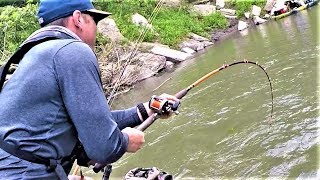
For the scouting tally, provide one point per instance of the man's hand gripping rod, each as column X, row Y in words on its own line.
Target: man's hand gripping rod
column 143, row 126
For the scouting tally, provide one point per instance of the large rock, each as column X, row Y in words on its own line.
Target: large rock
column 247, row 15
column 256, row 10
column 150, row 65
column 220, row 4
column 147, row 46
column 204, row 10
column 188, row 50
column 242, row 25
column 197, row 37
column 108, row 28
column 193, row 44
column 229, row 12
column 171, row 54
column 207, row 43
column 169, row 65
column 230, row 17
column 257, row 20
column 143, row 66
column 140, row 20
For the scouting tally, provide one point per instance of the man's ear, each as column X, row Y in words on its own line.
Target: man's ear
column 77, row 18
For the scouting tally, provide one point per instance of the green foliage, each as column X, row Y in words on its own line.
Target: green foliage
column 122, row 12
column 16, row 25
column 214, row 21
column 170, row 25
column 17, row 3
column 12, row 2
column 243, row 6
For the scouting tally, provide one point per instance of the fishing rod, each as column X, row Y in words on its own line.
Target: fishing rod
column 153, row 117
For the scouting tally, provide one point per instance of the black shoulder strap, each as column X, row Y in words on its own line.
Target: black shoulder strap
column 34, row 40
column 17, row 56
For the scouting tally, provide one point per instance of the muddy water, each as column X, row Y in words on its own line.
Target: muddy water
column 223, row 129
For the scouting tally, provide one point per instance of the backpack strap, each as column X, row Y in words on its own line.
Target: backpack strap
column 17, row 56
column 38, row 37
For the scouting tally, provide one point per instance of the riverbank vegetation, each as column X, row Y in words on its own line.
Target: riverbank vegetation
column 243, row 6
column 170, row 24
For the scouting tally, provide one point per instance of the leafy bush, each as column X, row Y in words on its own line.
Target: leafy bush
column 12, row 2
column 16, row 25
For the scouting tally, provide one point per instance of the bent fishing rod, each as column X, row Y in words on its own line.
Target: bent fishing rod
column 152, row 118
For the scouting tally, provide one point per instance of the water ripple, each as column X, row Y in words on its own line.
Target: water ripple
column 297, row 143
column 284, row 168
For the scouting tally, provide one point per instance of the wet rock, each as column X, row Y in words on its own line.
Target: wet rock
column 267, row 16
column 149, row 65
column 169, row 65
column 242, row 25
column 257, row 20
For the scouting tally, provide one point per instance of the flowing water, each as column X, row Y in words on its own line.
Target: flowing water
column 223, row 129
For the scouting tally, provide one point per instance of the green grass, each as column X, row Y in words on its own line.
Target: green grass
column 243, row 6
column 170, row 25
column 16, row 24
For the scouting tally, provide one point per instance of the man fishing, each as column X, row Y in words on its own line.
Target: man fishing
column 53, row 109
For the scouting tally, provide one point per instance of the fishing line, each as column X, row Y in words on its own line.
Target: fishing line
column 134, row 52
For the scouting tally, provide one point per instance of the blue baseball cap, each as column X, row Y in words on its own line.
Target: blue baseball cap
column 51, row 10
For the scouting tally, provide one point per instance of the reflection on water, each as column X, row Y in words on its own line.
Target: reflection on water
column 223, row 129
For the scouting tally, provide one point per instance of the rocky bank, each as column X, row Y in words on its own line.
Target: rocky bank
column 122, row 67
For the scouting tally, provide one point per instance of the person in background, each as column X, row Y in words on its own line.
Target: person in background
column 292, row 4
column 53, row 106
